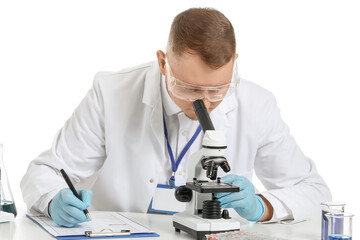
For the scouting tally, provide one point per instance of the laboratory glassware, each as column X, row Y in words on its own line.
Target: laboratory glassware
column 6, row 197
column 328, row 207
column 340, row 225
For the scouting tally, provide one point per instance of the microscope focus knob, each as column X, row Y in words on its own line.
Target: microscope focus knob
column 183, row 194
column 225, row 214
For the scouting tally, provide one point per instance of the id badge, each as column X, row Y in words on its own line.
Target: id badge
column 164, row 201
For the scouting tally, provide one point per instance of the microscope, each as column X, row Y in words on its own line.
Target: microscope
column 203, row 213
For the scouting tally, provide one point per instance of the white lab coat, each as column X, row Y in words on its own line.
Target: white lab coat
column 117, row 132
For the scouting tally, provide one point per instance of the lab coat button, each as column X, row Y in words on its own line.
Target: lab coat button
column 151, row 180
column 185, row 133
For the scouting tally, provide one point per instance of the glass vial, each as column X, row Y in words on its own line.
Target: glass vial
column 7, row 200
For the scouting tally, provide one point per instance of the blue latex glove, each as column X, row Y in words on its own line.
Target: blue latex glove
column 246, row 203
column 67, row 210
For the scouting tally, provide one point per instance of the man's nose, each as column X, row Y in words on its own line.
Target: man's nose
column 206, row 103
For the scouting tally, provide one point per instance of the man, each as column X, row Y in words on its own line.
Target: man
column 118, row 132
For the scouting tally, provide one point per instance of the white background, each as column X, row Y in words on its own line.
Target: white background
column 306, row 52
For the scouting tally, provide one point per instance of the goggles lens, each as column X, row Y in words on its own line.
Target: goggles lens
column 190, row 92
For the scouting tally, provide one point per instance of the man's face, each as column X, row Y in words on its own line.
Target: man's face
column 190, row 69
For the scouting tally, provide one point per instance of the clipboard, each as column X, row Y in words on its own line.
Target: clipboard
column 48, row 225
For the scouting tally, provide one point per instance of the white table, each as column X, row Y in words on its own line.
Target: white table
column 23, row 228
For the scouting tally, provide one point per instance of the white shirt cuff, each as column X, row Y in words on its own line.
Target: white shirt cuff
column 41, row 205
column 281, row 212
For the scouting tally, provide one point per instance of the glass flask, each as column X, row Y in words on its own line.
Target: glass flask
column 7, row 200
column 340, row 225
column 329, row 207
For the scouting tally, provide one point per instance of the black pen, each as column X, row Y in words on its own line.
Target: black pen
column 72, row 188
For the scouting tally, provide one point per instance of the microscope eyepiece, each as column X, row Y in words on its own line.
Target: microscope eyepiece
column 203, row 115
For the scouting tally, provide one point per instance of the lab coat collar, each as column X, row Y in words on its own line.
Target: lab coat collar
column 152, row 98
column 152, row 93
column 220, row 115
column 228, row 104
column 169, row 106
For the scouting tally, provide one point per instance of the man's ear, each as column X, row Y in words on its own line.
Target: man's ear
column 161, row 61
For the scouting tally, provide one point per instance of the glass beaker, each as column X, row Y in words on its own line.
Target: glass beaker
column 340, row 225
column 6, row 197
column 329, row 207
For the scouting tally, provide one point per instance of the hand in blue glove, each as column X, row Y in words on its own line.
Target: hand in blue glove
column 246, row 203
column 67, row 210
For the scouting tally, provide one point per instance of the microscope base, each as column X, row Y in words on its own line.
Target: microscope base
column 197, row 226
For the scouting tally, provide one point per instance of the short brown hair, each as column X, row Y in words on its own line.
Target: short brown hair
column 207, row 32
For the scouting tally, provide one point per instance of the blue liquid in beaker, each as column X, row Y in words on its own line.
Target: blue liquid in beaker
column 8, row 206
column 339, row 237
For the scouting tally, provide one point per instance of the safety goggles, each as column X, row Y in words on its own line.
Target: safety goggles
column 190, row 92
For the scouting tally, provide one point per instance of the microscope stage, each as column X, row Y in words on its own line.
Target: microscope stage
column 211, row 187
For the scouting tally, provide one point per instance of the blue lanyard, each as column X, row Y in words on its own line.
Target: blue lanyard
column 174, row 166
